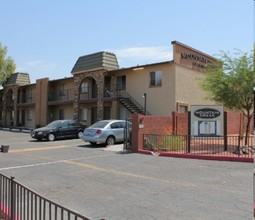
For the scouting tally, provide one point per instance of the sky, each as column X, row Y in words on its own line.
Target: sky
column 46, row 37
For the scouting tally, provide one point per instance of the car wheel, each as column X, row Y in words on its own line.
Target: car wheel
column 51, row 137
column 80, row 133
column 110, row 140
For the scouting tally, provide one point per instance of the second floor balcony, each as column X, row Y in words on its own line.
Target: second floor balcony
column 62, row 95
column 27, row 100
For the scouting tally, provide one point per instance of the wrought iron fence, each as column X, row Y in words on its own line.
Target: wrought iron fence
column 254, row 192
column 18, row 202
column 235, row 146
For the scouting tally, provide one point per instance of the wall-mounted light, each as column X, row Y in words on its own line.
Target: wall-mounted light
column 138, row 68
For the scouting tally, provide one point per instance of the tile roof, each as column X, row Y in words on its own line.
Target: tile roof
column 103, row 59
column 18, row 79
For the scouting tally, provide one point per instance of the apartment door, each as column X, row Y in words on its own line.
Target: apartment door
column 121, row 81
column 23, row 117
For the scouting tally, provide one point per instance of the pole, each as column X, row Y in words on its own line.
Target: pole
column 145, row 103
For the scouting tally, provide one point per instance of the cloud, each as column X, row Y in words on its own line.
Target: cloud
column 33, row 63
column 37, row 69
column 142, row 55
column 36, row 66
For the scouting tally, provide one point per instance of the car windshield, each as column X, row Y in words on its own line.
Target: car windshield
column 53, row 124
column 99, row 124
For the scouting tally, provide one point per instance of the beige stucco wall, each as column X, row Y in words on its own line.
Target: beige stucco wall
column 188, row 89
column 160, row 100
column 55, row 87
column 54, row 112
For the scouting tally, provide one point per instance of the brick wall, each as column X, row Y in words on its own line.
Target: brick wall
column 180, row 121
column 236, row 123
column 176, row 124
column 149, row 125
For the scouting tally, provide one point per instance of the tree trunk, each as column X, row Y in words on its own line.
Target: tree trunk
column 247, row 129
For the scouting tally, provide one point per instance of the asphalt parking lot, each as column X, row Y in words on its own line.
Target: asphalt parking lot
column 106, row 183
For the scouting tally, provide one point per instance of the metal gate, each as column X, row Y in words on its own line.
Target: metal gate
column 127, row 134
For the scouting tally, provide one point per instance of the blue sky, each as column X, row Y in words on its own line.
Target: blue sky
column 46, row 37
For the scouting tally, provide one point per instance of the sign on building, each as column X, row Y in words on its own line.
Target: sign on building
column 207, row 120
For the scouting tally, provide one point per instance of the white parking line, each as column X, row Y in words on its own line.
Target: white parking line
column 53, row 162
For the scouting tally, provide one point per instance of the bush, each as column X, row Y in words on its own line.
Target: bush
column 173, row 143
column 159, row 143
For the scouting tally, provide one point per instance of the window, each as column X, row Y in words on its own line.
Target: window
column 116, row 125
column 29, row 94
column 83, row 114
column 62, row 90
column 84, row 87
column 29, row 115
column 72, row 124
column 65, row 124
column 156, row 78
column 182, row 107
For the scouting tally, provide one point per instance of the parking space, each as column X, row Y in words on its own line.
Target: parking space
column 107, row 183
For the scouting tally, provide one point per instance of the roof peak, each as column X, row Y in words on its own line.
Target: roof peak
column 102, row 59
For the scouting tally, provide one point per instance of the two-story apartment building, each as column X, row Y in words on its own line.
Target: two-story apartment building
column 99, row 89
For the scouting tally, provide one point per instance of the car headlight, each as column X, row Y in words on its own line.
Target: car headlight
column 40, row 132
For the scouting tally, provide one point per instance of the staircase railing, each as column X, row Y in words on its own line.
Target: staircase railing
column 124, row 94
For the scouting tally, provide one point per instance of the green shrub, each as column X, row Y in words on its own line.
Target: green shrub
column 173, row 143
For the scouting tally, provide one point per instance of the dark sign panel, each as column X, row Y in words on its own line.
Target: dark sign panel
column 207, row 113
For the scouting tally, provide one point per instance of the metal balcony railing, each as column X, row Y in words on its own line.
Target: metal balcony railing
column 61, row 95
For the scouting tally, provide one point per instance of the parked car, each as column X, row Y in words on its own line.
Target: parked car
column 59, row 129
column 106, row 132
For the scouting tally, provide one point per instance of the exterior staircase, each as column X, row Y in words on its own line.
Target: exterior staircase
column 129, row 102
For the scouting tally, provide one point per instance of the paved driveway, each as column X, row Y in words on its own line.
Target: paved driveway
column 104, row 183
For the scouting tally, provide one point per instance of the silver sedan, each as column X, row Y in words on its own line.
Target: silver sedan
column 106, row 131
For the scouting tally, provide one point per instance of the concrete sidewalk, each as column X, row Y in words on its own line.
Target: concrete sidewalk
column 116, row 148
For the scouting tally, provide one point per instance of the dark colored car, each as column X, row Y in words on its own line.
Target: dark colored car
column 59, row 129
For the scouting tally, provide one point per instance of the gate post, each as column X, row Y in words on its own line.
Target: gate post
column 189, row 132
column 125, row 130
column 225, row 132
column 13, row 198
